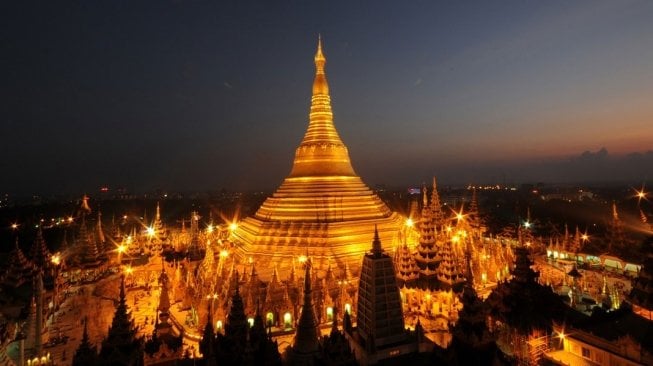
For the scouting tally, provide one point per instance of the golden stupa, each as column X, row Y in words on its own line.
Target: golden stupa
column 322, row 208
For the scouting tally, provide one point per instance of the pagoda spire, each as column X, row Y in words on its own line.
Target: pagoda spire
column 377, row 250
column 236, row 325
column 306, row 343
column 39, row 251
column 332, row 159
column 427, row 258
column 86, row 353
column 436, row 206
column 122, row 344
column 19, row 269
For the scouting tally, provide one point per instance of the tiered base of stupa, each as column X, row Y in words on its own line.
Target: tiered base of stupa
column 322, row 210
column 270, row 244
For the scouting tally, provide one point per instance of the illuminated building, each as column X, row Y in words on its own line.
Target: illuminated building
column 380, row 332
column 322, row 206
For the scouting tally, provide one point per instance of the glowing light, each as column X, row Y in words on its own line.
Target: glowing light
column 460, row 216
column 287, row 320
column 129, row 239
column 121, row 248
column 409, row 222
column 14, row 226
column 129, row 270
column 641, row 194
column 561, row 335
column 302, row 259
column 527, row 225
column 209, row 229
column 585, row 237
column 233, row 226
column 70, row 219
column 150, row 231
column 250, row 321
column 224, row 253
column 56, row 259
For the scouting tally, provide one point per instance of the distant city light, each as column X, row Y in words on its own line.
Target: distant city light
column 409, row 222
column 233, row 226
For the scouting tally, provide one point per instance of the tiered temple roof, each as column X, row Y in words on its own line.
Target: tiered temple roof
column 427, row 257
column 407, row 270
column 20, row 268
column 90, row 255
column 39, row 252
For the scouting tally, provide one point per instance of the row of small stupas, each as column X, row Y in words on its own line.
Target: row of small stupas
column 245, row 337
column 521, row 311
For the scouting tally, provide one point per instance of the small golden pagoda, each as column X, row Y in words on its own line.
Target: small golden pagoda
column 322, row 208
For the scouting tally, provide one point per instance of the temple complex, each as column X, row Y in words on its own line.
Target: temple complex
column 322, row 207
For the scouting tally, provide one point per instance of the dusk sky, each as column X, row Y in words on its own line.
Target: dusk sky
column 195, row 95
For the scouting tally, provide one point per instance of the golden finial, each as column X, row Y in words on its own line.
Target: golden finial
column 320, row 60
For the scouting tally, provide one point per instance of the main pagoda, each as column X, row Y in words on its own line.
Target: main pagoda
column 323, row 207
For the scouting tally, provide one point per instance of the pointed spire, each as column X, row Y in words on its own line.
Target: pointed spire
column 39, row 252
column 334, row 157
column 320, row 85
column 86, row 354
column 122, row 342
column 377, row 250
column 425, row 200
column 436, row 206
column 19, row 269
column 306, row 337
